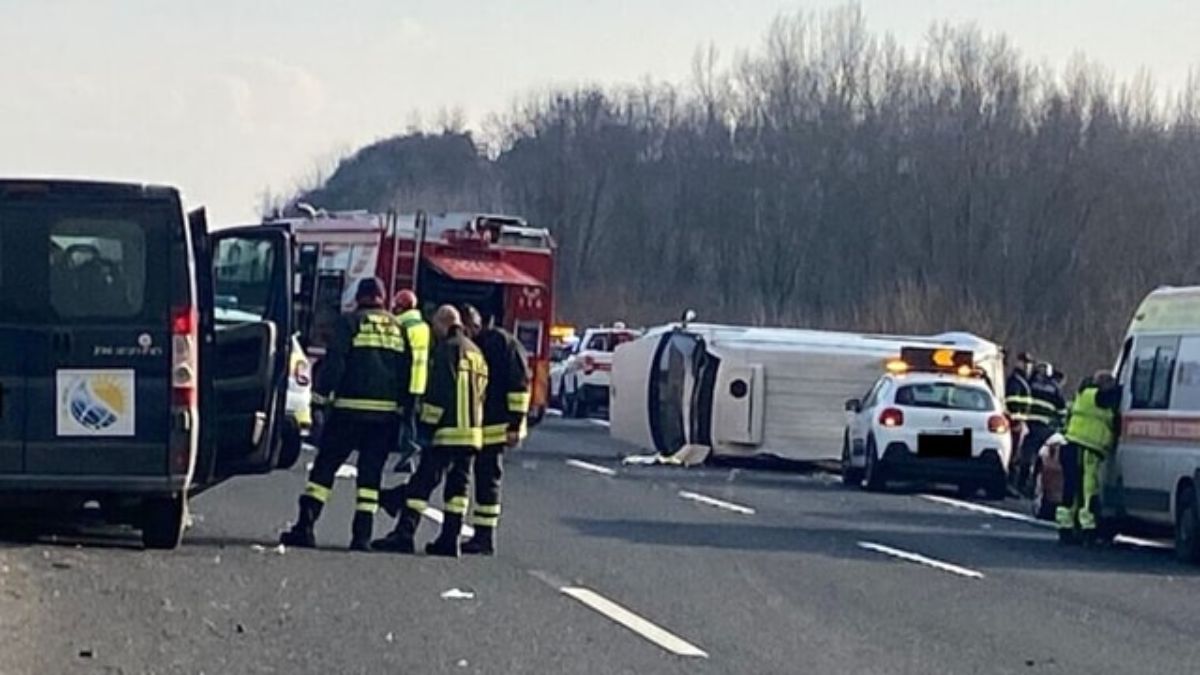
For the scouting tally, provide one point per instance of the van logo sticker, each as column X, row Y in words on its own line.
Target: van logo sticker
column 95, row 402
column 145, row 341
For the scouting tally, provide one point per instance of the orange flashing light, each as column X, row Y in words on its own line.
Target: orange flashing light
column 896, row 366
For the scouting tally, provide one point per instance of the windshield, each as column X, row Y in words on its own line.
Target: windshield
column 945, row 395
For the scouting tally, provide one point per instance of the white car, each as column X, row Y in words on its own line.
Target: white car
column 931, row 427
column 559, row 354
column 587, row 371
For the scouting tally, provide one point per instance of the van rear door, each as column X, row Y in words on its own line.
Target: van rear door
column 245, row 353
column 85, row 274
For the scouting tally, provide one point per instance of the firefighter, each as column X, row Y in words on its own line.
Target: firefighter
column 504, row 411
column 1018, row 400
column 1047, row 409
column 452, row 418
column 1091, row 436
column 364, row 380
column 417, row 332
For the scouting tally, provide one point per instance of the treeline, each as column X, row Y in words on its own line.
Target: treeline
column 830, row 178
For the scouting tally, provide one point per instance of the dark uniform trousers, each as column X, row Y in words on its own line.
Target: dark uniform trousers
column 489, row 472
column 435, row 464
column 373, row 436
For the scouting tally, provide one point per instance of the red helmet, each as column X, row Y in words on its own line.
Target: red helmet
column 405, row 300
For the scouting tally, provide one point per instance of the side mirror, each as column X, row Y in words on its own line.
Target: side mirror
column 854, row 405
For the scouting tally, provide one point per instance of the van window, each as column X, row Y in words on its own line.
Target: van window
column 1186, row 394
column 1153, row 369
column 243, row 275
column 85, row 258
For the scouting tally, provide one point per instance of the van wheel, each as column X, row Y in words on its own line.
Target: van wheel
column 162, row 523
column 851, row 476
column 1187, row 529
column 875, row 478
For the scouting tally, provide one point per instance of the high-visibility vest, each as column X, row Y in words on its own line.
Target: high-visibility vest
column 1089, row 425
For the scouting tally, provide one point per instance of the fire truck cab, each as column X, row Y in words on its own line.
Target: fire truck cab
column 498, row 263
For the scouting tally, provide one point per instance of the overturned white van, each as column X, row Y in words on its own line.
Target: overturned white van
column 742, row 391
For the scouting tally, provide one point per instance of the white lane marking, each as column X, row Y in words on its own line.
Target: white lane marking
column 437, row 517
column 719, row 503
column 587, row 466
column 554, row 412
column 1020, row 517
column 988, row 510
column 920, row 559
column 602, row 423
column 659, row 636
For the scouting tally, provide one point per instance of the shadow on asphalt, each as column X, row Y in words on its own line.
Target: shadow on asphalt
column 975, row 548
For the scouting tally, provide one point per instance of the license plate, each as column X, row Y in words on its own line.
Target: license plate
column 944, row 445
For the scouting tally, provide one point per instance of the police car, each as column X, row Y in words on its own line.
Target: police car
column 931, row 418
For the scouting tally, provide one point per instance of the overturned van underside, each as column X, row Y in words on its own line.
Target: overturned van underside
column 745, row 391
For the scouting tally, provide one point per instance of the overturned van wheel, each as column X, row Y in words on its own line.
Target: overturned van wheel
column 162, row 523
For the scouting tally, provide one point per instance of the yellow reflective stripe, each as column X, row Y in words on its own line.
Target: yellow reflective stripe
column 367, row 495
column 485, row 521
column 418, row 505
column 366, row 404
column 464, row 393
column 487, row 509
column 367, row 507
column 431, row 414
column 317, row 491
column 494, row 434
column 457, row 437
column 318, row 399
column 457, row 505
column 518, row 402
column 375, row 341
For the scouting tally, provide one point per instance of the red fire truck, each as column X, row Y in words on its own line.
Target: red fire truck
column 498, row 263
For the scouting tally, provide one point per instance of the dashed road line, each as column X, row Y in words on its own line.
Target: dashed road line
column 437, row 517
column 719, row 503
column 602, row 423
column 920, row 559
column 642, row 627
column 588, row 466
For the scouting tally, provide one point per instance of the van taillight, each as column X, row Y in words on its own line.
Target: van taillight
column 183, row 356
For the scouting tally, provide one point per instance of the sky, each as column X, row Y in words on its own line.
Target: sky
column 229, row 98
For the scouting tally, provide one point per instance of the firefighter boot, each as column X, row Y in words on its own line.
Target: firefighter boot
column 400, row 540
column 446, row 545
column 483, row 543
column 301, row 535
column 361, row 531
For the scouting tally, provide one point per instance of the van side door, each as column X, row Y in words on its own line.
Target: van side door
column 245, row 368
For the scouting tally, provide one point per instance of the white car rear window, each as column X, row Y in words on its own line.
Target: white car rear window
column 946, row 396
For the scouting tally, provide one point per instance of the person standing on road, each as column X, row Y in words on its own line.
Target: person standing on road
column 452, row 418
column 417, row 333
column 364, row 380
column 505, row 406
column 1091, row 436
column 1018, row 400
column 1047, row 410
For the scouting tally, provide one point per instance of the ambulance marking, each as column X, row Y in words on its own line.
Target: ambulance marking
column 719, row 503
column 920, row 559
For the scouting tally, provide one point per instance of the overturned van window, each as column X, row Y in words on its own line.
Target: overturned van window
column 97, row 268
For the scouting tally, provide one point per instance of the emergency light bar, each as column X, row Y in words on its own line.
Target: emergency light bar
column 926, row 360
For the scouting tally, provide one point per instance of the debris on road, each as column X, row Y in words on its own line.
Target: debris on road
column 458, row 594
column 688, row 455
column 280, row 549
column 390, row 637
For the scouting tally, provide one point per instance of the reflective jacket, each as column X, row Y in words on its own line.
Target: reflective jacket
column 1046, row 402
column 367, row 364
column 1018, row 398
column 507, row 400
column 417, row 332
column 453, row 403
column 1093, row 421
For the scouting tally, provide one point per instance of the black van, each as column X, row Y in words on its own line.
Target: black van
column 117, row 385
